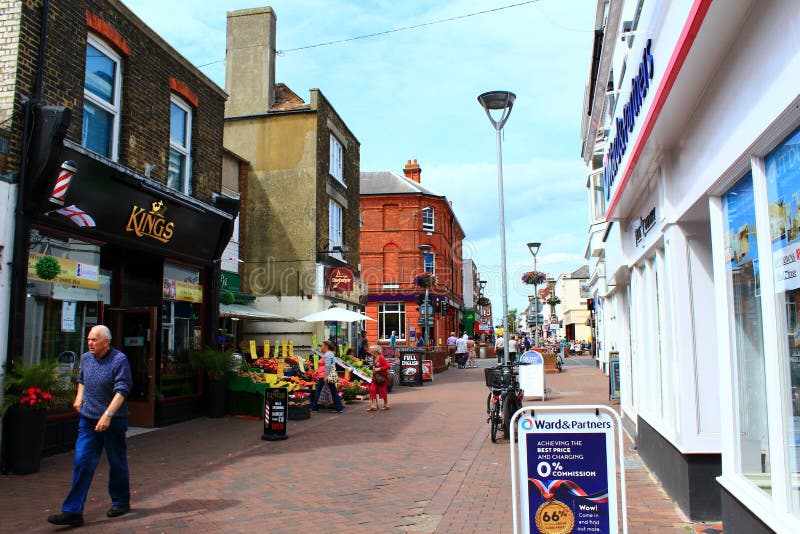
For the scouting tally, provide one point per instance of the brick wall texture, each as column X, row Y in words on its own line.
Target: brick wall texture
column 147, row 67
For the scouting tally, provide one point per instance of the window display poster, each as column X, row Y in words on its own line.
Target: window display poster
column 567, row 473
column 68, row 309
column 783, row 195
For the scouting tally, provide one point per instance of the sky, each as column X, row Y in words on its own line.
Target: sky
column 412, row 94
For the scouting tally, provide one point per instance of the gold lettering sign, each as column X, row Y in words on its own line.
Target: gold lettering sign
column 151, row 223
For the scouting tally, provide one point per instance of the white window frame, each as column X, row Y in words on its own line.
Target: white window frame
column 431, row 264
column 428, row 213
column 402, row 319
column 185, row 150
column 335, row 226
column 115, row 107
column 336, row 159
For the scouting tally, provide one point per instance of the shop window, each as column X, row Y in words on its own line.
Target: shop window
column 783, row 195
column 101, row 102
column 180, row 330
column 61, row 307
column 427, row 219
column 391, row 317
column 337, row 159
column 179, row 170
column 741, row 269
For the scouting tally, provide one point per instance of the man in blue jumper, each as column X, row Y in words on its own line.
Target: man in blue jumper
column 104, row 382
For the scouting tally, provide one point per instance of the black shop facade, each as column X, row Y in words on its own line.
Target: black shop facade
column 106, row 245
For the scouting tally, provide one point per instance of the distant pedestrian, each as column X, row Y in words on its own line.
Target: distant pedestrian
column 363, row 346
column 498, row 347
column 104, row 381
column 393, row 340
column 512, row 348
column 461, row 352
column 421, row 341
column 471, row 353
column 379, row 387
column 326, row 363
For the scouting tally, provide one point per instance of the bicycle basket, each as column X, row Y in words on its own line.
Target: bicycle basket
column 494, row 377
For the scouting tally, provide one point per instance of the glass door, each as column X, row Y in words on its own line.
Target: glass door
column 134, row 331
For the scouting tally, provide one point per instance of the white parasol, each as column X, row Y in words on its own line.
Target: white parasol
column 336, row 314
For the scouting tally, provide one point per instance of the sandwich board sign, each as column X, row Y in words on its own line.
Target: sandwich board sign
column 566, row 463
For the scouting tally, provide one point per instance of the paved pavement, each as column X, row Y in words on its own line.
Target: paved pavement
column 426, row 465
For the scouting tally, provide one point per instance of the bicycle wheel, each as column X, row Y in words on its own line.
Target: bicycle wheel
column 509, row 407
column 489, row 404
column 495, row 420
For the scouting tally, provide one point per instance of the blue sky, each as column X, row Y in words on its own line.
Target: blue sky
column 412, row 95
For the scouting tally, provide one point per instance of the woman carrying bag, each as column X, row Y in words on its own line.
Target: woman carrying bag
column 327, row 377
column 380, row 380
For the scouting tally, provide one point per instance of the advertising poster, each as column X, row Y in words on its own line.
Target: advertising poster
column 410, row 366
column 276, row 401
column 531, row 376
column 427, row 370
column 567, row 473
column 72, row 273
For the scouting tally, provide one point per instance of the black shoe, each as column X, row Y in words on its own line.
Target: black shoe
column 117, row 510
column 66, row 518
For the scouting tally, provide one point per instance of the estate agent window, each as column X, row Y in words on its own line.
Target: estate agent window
column 744, row 318
column 180, row 146
column 391, row 316
column 337, row 159
column 783, row 195
column 101, row 102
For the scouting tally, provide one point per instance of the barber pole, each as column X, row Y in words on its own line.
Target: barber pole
column 68, row 169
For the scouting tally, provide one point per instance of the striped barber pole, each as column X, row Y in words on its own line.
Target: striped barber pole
column 77, row 215
column 68, row 169
column 266, row 415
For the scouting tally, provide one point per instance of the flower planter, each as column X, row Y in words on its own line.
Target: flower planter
column 298, row 413
column 27, row 429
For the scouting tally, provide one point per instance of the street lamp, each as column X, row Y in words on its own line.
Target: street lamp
column 503, row 101
column 534, row 248
column 423, row 249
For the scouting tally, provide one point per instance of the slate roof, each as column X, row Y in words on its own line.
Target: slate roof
column 580, row 273
column 389, row 182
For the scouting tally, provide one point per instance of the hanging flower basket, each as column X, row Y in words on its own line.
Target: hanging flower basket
column 534, row 278
column 47, row 268
column 553, row 300
column 483, row 301
column 423, row 280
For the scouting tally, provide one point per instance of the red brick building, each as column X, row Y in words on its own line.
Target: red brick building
column 398, row 216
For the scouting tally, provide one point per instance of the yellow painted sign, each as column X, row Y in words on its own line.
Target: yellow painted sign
column 73, row 273
column 253, row 353
column 183, row 291
column 266, row 348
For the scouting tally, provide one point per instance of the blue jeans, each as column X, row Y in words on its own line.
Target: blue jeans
column 88, row 449
column 337, row 401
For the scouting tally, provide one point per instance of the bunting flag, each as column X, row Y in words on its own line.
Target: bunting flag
column 77, row 215
column 68, row 169
column 548, row 490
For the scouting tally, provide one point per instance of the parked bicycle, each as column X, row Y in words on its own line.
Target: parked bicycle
column 504, row 399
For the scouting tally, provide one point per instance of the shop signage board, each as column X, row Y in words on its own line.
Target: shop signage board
column 411, row 365
column 276, row 402
column 564, row 471
column 531, row 376
column 613, row 378
column 427, row 370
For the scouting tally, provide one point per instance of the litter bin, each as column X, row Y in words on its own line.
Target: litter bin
column 482, row 352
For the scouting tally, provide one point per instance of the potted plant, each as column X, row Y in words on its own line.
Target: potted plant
column 29, row 392
column 534, row 278
column 215, row 364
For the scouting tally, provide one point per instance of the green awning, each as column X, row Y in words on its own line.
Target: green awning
column 243, row 311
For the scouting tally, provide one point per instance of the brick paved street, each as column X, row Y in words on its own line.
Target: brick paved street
column 426, row 465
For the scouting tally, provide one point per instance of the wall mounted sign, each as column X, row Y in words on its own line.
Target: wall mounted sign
column 646, row 224
column 340, row 279
column 624, row 125
column 152, row 224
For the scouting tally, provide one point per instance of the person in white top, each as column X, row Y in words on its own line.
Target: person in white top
column 498, row 348
column 461, row 351
column 512, row 348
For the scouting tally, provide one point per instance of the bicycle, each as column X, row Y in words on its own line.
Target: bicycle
column 504, row 399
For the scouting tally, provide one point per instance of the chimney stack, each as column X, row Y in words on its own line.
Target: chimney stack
column 250, row 61
column 412, row 171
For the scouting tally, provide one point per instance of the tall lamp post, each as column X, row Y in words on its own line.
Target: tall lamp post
column 502, row 101
column 534, row 248
column 423, row 249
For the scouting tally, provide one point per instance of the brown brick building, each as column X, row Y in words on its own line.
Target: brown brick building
column 400, row 216
column 118, row 182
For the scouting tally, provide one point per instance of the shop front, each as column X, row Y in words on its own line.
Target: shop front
column 108, row 246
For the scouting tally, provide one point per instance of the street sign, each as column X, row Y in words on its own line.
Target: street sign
column 554, row 318
column 426, row 309
column 421, row 321
column 276, row 402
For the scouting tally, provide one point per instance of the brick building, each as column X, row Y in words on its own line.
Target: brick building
column 300, row 217
column 399, row 216
column 116, row 189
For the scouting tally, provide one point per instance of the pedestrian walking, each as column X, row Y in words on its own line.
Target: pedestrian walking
column 471, row 354
column 326, row 363
column 451, row 348
column 512, row 348
column 461, row 351
column 104, row 381
column 379, row 387
column 499, row 347
column 363, row 346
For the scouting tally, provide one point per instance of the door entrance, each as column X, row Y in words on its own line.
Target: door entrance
column 134, row 331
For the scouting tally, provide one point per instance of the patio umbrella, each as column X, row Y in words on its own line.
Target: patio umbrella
column 336, row 314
